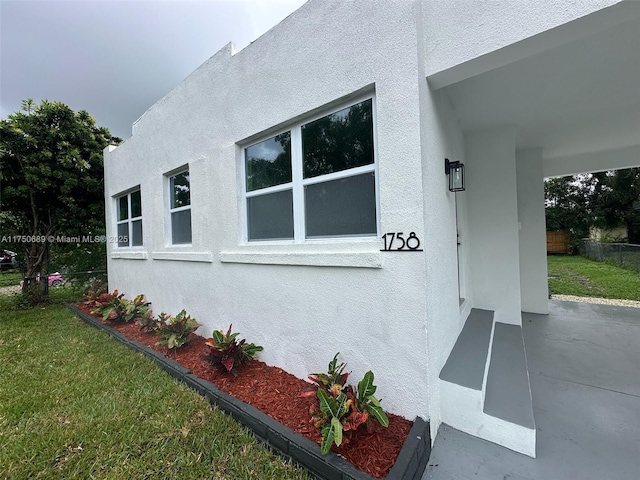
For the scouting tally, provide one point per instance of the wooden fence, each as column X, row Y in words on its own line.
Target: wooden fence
column 558, row 242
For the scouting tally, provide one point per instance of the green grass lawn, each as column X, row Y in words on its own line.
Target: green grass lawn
column 76, row 404
column 583, row 277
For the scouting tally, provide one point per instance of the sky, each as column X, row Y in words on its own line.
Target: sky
column 116, row 58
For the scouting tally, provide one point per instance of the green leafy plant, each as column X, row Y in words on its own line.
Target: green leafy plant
column 333, row 411
column 342, row 408
column 333, row 381
column 94, row 290
column 226, row 353
column 149, row 324
column 174, row 331
column 96, row 300
column 366, row 403
column 116, row 308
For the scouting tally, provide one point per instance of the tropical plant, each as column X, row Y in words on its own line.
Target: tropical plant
column 174, row 331
column 333, row 381
column 226, row 353
column 95, row 299
column 365, row 402
column 341, row 407
column 118, row 309
column 150, row 324
column 94, row 289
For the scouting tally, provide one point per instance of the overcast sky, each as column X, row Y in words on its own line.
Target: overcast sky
column 116, row 58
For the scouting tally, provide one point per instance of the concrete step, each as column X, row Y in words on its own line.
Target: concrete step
column 484, row 386
column 507, row 393
column 466, row 362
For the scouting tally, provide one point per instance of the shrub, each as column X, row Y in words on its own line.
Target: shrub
column 341, row 407
column 226, row 353
column 116, row 308
column 174, row 331
column 150, row 324
column 96, row 300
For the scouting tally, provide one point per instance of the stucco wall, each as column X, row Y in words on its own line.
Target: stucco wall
column 464, row 30
column 493, row 223
column 441, row 137
column 301, row 314
column 533, row 248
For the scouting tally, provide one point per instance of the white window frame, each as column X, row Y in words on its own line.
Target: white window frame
column 129, row 221
column 171, row 210
column 298, row 182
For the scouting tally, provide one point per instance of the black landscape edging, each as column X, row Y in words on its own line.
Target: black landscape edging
column 410, row 464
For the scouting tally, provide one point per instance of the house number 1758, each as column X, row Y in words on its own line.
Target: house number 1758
column 396, row 242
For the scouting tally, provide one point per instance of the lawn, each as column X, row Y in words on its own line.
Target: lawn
column 76, row 404
column 580, row 276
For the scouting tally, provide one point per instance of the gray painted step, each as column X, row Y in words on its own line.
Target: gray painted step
column 466, row 362
column 508, row 395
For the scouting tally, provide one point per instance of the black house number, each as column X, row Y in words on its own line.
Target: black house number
column 396, row 242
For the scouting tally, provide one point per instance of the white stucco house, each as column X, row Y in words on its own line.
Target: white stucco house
column 273, row 187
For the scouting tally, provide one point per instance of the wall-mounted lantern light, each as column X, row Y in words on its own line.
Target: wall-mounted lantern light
column 455, row 171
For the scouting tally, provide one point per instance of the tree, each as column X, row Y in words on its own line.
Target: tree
column 51, row 174
column 618, row 202
column 567, row 205
column 603, row 199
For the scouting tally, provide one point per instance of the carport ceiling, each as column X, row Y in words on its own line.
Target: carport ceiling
column 579, row 97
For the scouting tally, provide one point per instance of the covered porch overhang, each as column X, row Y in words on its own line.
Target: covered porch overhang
column 561, row 102
column 572, row 91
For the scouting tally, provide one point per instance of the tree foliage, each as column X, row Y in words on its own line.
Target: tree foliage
column 52, row 181
column 619, row 202
column 605, row 200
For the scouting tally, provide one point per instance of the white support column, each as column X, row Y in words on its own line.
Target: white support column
column 493, row 223
column 534, row 288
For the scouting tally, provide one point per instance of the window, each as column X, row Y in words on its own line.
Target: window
column 316, row 180
column 180, row 208
column 129, row 219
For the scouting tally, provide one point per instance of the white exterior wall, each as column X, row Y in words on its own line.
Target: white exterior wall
column 616, row 159
column 533, row 243
column 493, row 223
column 283, row 296
column 441, row 137
column 486, row 34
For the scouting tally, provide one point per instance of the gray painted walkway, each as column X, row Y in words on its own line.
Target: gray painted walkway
column 584, row 366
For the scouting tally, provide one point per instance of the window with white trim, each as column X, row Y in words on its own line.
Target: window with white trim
column 129, row 219
column 316, row 180
column 180, row 208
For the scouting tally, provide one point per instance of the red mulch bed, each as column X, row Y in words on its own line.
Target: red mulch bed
column 277, row 393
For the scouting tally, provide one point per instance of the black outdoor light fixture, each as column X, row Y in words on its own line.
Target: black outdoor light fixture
column 455, row 171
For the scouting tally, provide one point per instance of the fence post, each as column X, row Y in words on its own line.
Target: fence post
column 621, row 259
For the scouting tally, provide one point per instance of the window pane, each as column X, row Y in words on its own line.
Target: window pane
column 346, row 206
column 123, row 234
column 180, row 190
column 136, row 204
column 338, row 141
column 270, row 216
column 181, row 227
column 123, row 208
column 136, row 233
column 268, row 163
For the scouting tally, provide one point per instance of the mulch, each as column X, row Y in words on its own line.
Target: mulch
column 277, row 393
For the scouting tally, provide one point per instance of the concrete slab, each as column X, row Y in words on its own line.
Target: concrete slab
column 585, row 429
column 587, row 344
